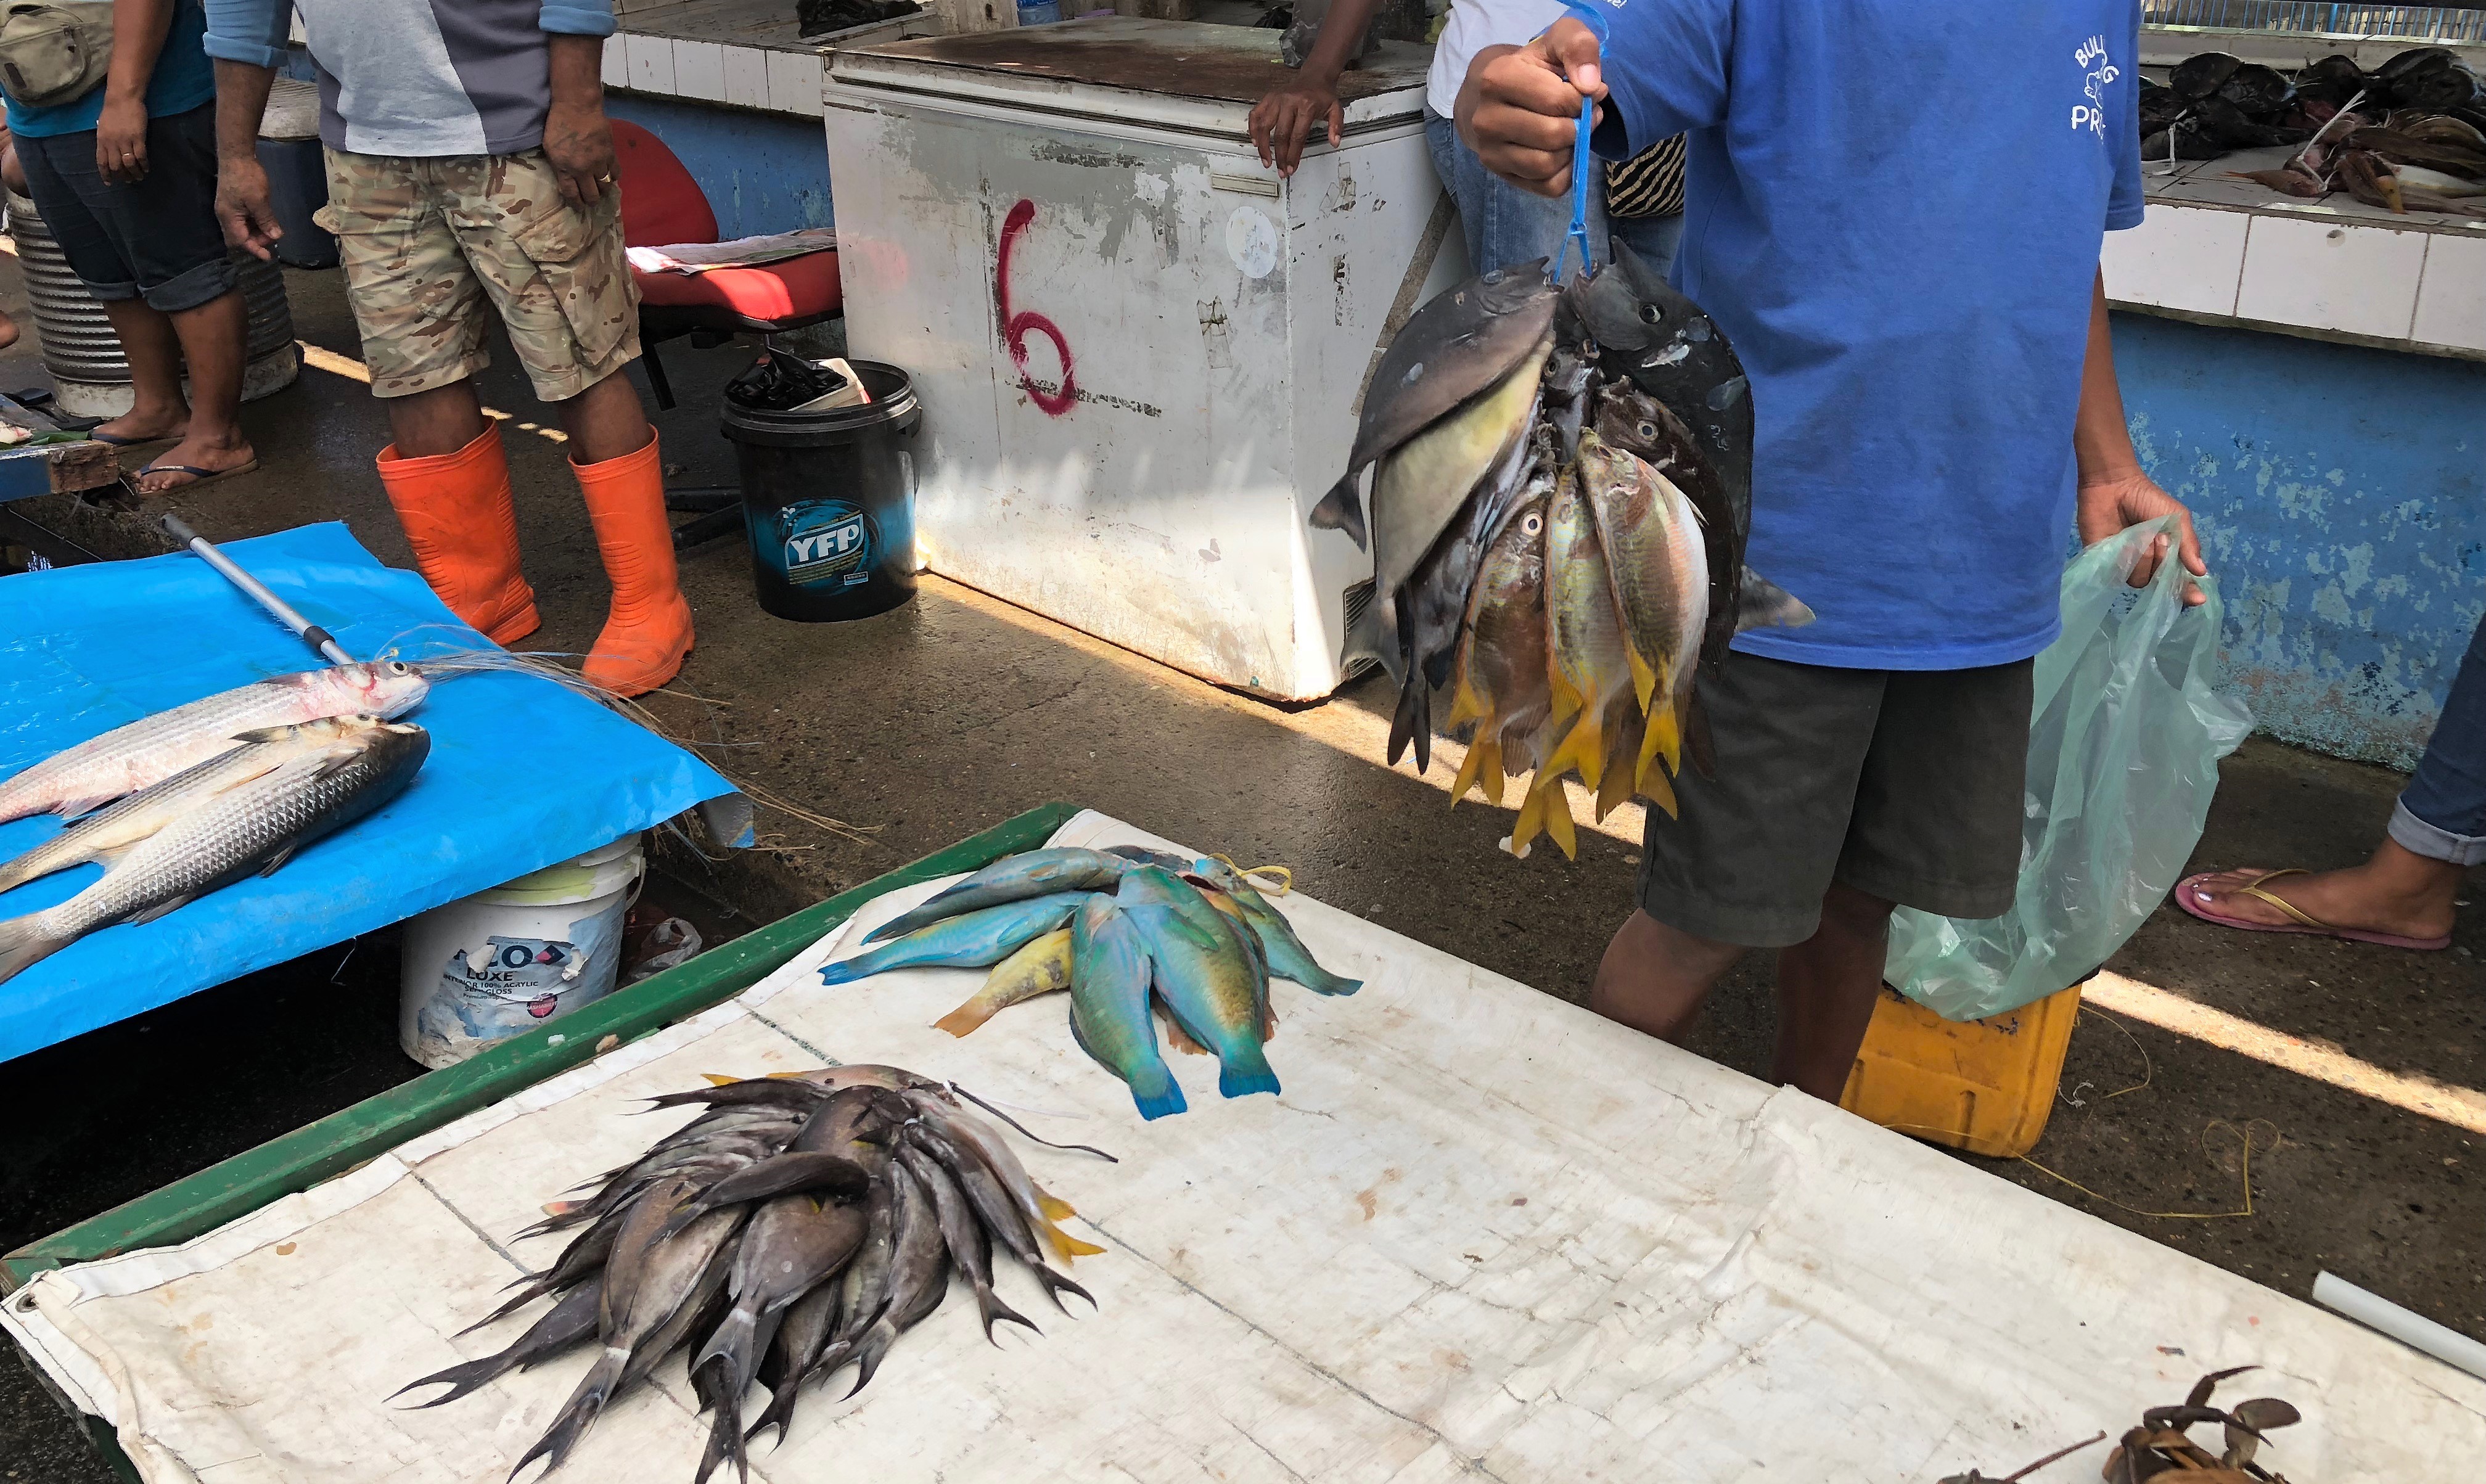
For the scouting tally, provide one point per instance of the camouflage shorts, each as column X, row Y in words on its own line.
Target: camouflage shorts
column 426, row 240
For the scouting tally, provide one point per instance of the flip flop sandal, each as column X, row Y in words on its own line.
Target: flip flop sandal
column 200, row 476
column 2188, row 896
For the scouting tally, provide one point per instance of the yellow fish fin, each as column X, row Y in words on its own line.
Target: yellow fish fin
column 1558, row 820
column 715, row 1080
column 966, row 1017
column 1623, row 759
column 1654, row 787
column 1530, row 822
column 1583, row 747
column 1054, row 1207
column 1068, row 1246
column 1490, row 777
column 1467, row 703
column 1663, row 739
column 1567, row 700
column 1483, row 761
column 1643, row 679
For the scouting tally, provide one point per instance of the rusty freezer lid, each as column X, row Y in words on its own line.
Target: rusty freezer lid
column 1186, row 76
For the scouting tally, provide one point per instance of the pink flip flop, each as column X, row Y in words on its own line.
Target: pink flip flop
column 2188, row 893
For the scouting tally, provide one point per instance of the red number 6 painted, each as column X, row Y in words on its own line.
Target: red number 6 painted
column 1015, row 328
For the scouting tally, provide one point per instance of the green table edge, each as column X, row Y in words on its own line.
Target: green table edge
column 353, row 1136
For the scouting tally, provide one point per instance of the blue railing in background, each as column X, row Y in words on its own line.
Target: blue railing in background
column 2413, row 22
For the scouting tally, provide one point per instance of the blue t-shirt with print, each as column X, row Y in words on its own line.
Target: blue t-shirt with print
column 1895, row 209
column 183, row 79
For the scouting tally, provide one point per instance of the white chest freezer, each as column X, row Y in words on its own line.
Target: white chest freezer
column 1139, row 351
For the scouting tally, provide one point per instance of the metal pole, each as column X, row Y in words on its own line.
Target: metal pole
column 282, row 610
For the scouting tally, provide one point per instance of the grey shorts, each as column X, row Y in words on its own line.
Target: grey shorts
column 1905, row 785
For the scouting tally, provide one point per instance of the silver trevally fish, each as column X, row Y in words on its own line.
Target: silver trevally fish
column 973, row 939
column 249, row 829
column 147, row 751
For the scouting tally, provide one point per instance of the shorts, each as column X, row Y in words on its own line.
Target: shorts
column 156, row 239
column 1906, row 784
column 425, row 242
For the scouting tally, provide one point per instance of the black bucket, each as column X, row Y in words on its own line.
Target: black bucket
column 829, row 501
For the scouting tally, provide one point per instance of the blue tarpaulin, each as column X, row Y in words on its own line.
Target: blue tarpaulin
column 523, row 773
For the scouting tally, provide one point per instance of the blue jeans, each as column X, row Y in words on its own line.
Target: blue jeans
column 1652, row 239
column 1505, row 226
column 2443, row 814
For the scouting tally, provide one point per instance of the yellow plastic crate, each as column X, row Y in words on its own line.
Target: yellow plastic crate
column 1983, row 1085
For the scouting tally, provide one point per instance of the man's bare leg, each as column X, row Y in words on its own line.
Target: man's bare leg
column 1654, row 977
column 1827, row 986
column 214, row 338
column 155, row 356
column 439, row 421
column 605, row 422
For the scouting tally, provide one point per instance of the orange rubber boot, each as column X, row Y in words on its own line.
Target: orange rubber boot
column 457, row 513
column 649, row 633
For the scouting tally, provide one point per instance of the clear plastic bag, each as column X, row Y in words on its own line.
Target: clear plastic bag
column 2123, row 756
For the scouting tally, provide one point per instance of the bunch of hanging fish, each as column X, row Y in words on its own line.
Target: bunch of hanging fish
column 1561, row 497
column 2409, row 135
column 799, row 1224
column 210, row 793
column 1123, row 930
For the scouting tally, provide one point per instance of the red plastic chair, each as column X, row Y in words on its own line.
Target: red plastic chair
column 661, row 203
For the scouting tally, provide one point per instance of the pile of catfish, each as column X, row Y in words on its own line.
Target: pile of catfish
column 798, row 1226
column 2409, row 135
column 1560, row 496
column 1126, row 931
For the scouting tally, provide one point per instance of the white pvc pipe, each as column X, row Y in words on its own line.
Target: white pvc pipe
column 2415, row 1330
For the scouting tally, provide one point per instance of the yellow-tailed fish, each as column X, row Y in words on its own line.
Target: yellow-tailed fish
column 1501, row 680
column 1591, row 662
column 1659, row 566
column 1040, row 968
column 1109, row 1004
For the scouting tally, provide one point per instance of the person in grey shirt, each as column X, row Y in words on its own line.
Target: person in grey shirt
column 469, row 160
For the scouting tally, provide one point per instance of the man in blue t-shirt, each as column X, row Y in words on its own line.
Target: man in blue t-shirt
column 1895, row 213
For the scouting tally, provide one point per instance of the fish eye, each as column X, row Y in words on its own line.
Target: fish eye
column 397, row 668
column 1532, row 525
column 1652, row 314
column 1647, row 429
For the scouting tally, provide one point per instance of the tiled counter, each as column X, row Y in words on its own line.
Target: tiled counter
column 742, row 53
column 2224, row 251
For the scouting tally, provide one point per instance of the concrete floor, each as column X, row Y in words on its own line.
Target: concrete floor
column 953, row 712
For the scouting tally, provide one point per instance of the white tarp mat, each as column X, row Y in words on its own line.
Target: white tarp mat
column 1481, row 1234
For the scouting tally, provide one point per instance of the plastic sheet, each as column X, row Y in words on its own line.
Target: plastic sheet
column 522, row 773
column 2123, row 757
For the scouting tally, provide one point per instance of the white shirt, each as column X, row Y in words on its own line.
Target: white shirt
column 1474, row 25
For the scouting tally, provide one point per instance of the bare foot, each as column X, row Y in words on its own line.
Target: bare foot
column 8, row 332
column 215, row 457
column 145, row 425
column 2396, row 892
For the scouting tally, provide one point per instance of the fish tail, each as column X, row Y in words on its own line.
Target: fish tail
column 1245, row 1070
column 1529, row 824
column 966, row 1017
column 1067, row 1247
column 994, row 1311
column 23, row 942
column 1054, row 1207
column 534, row 1290
column 779, row 1413
column 1412, row 724
column 579, row 1413
column 460, row 1379
column 1643, row 677
column 1557, row 822
column 845, row 971
column 1566, row 699
column 1663, row 739
column 725, row 1438
column 1340, row 511
column 1583, row 747
column 1155, row 1092
column 735, row 1342
column 1057, row 1284
column 1654, row 787
column 1484, row 763
column 869, row 1350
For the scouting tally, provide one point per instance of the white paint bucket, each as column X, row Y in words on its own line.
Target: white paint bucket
column 501, row 962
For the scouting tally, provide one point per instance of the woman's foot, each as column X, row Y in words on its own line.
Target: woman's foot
column 2398, row 893
column 214, row 456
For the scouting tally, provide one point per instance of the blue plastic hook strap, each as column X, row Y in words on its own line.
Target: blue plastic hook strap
column 1593, row 17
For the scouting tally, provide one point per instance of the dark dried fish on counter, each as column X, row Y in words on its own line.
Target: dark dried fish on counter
column 2161, row 1446
column 786, row 1278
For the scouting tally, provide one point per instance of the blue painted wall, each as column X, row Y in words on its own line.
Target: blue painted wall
column 763, row 172
column 2339, row 495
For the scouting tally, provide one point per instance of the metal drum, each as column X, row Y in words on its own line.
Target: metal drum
column 84, row 355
